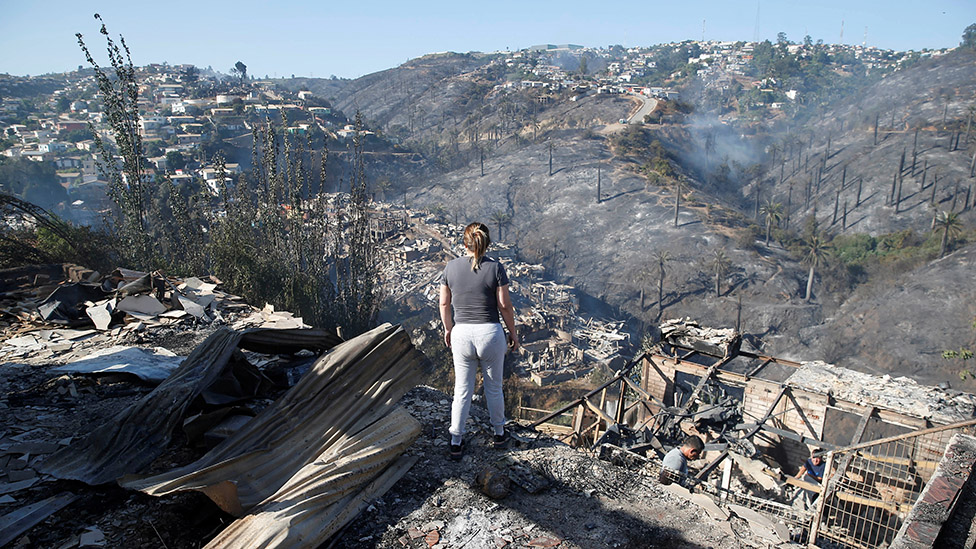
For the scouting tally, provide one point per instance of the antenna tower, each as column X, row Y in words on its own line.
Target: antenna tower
column 841, row 31
column 755, row 33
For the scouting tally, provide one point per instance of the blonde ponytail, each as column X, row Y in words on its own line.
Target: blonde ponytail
column 476, row 240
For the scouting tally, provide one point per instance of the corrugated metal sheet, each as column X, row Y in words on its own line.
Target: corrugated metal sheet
column 299, row 465
column 325, row 494
column 136, row 436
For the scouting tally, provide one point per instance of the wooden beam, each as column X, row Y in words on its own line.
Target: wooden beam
column 921, row 432
column 618, row 417
column 803, row 416
column 708, row 468
column 726, row 480
column 790, row 435
column 793, row 481
column 698, row 370
column 904, row 462
column 756, row 370
column 818, row 514
column 557, row 413
column 603, row 405
column 782, row 361
column 596, row 410
column 888, row 416
column 769, row 412
column 900, row 509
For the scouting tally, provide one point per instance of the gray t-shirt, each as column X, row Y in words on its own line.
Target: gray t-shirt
column 474, row 294
column 676, row 461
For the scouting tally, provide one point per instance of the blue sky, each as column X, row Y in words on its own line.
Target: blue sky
column 350, row 38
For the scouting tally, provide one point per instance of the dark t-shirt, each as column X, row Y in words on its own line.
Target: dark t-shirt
column 816, row 471
column 474, row 294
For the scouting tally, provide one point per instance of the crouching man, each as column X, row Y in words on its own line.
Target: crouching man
column 675, row 466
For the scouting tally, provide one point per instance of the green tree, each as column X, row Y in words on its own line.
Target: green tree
column 773, row 212
column 240, row 69
column 964, row 354
column 816, row 251
column 127, row 188
column 501, row 219
column 950, row 225
column 35, row 182
column 969, row 37
column 191, row 75
column 175, row 160
column 720, row 265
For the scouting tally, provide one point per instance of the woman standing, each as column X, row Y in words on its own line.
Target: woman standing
column 477, row 288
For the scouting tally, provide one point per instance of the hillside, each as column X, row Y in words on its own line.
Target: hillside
column 607, row 247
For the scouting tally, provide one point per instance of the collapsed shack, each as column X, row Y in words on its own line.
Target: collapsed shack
column 295, row 468
column 761, row 417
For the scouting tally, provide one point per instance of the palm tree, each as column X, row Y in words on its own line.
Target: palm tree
column 501, row 218
column 720, row 265
column 773, row 212
column 643, row 276
column 950, row 225
column 661, row 257
column 816, row 252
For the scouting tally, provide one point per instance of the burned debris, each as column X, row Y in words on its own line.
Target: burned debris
column 761, row 416
column 304, row 463
column 336, row 436
column 560, row 342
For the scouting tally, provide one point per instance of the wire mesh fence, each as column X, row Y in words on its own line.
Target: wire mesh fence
column 873, row 486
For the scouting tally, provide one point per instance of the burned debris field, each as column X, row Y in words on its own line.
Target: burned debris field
column 261, row 410
column 741, row 275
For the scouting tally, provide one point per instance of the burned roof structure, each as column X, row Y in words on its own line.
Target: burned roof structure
column 883, row 439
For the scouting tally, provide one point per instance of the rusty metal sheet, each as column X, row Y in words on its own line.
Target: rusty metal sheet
column 346, row 391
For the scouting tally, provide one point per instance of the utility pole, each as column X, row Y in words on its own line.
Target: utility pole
column 550, row 157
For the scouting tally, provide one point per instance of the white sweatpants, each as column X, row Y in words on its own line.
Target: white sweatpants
column 473, row 345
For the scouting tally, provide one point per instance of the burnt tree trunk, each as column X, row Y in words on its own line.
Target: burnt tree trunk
column 789, row 205
column 599, row 196
column 836, row 204
column 901, row 180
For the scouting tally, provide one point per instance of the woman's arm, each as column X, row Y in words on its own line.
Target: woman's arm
column 446, row 318
column 507, row 310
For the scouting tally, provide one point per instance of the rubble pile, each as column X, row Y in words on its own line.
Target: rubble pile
column 559, row 343
column 900, row 394
column 684, row 332
column 61, row 313
column 336, row 436
column 558, row 497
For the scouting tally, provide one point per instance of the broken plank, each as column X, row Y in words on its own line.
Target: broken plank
column 793, row 481
column 900, row 509
column 787, row 434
